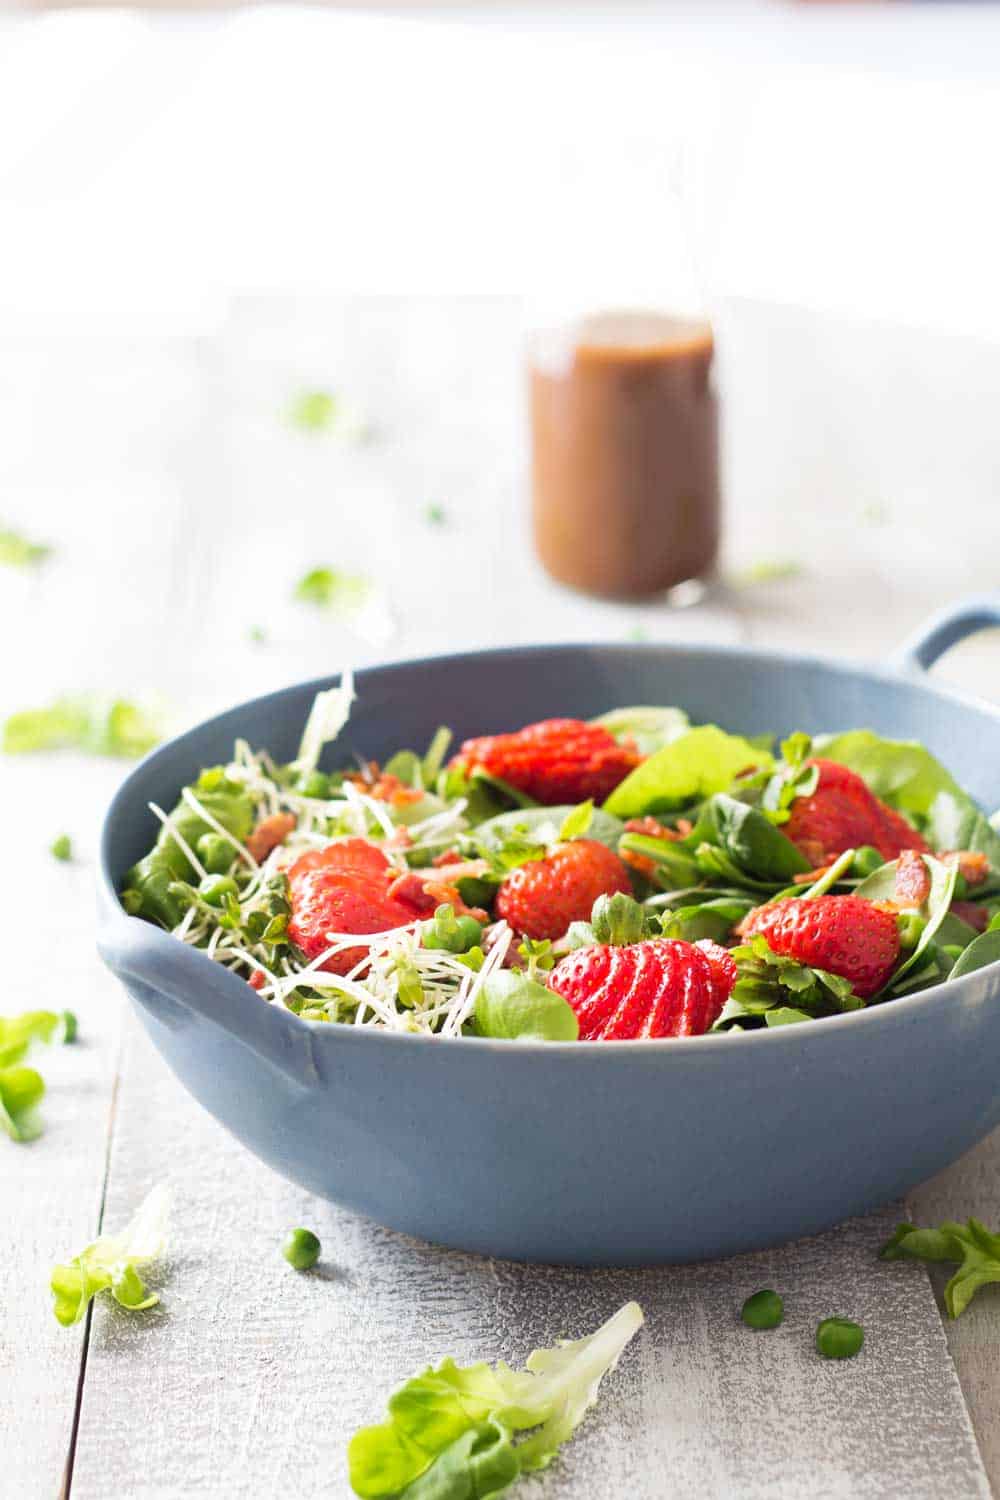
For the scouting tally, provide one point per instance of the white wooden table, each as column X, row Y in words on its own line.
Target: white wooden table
column 183, row 509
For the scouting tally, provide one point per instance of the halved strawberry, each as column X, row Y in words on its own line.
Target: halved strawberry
column 541, row 898
column 845, row 935
column 843, row 813
column 343, row 888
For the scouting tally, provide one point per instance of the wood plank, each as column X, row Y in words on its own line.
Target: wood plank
column 51, row 1188
column 971, row 1188
column 250, row 1378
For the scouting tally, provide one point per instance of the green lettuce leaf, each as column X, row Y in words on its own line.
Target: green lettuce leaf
column 514, row 1006
column 109, row 1264
column 648, row 728
column 151, row 880
column 753, row 845
column 688, row 769
column 971, row 1245
column 17, row 1033
column 21, row 1091
column 94, row 725
column 16, row 551
column 982, row 951
column 448, row 1436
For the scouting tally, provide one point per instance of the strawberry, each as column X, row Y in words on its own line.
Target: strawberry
column 557, row 760
column 343, row 888
column 845, row 935
column 541, row 898
column 842, row 813
column 661, row 987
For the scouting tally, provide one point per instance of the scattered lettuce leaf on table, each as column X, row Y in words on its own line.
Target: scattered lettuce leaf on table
column 21, row 1091
column 110, row 1263
column 690, row 768
column 118, row 728
column 16, row 551
column 450, row 1433
column 21, row 1088
column 971, row 1245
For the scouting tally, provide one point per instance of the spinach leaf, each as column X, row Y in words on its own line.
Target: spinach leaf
column 984, row 950
column 882, row 887
column 901, row 772
column 688, row 769
column 751, row 842
column 955, row 822
column 543, row 825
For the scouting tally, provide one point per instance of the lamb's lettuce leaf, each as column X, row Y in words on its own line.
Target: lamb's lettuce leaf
column 515, row 1007
column 767, row 981
column 109, row 1264
column 693, row 766
column 649, row 729
column 972, row 1245
column 17, row 1033
column 450, row 1431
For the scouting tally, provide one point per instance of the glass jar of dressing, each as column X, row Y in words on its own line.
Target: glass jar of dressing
column 625, row 462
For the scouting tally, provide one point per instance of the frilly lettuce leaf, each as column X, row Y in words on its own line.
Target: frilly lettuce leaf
column 688, row 769
column 109, row 1264
column 449, row 1433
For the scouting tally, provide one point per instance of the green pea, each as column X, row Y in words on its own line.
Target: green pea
column 453, row 934
column 62, row 847
column 910, row 926
column 69, row 1026
column 839, row 1338
column 215, row 853
column 866, row 861
column 215, row 888
column 301, row 1249
column 765, row 1309
column 314, row 784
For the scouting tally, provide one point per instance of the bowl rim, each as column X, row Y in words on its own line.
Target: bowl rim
column 710, row 1043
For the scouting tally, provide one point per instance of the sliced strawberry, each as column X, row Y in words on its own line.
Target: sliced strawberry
column 555, row 761
column 843, row 813
column 661, row 987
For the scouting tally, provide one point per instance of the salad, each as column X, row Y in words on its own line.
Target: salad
column 635, row 876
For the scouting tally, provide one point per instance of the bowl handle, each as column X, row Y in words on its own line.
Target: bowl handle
column 178, row 986
column 944, row 630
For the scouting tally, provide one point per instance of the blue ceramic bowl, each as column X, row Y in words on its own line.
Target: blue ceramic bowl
column 622, row 1152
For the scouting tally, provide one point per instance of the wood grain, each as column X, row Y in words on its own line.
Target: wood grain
column 51, row 1188
column 250, row 1378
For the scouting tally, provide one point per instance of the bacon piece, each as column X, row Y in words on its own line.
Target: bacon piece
column 257, row 979
column 973, row 865
column 269, row 833
column 913, row 881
